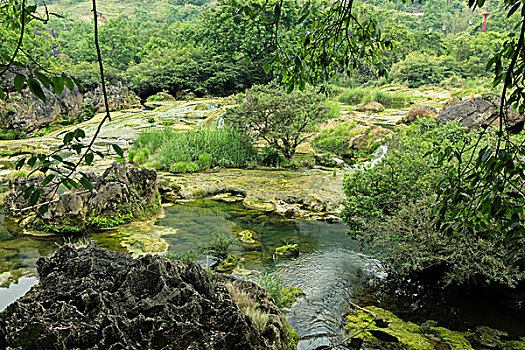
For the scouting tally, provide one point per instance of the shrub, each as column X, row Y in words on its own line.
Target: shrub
column 389, row 207
column 185, row 257
column 389, row 99
column 205, row 161
column 282, row 120
column 184, row 167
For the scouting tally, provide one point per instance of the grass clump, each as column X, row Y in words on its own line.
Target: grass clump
column 219, row 246
column 361, row 95
column 283, row 295
column 248, row 306
column 185, row 257
column 194, row 150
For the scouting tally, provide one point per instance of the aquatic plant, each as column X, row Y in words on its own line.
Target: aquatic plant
column 184, row 257
column 219, row 246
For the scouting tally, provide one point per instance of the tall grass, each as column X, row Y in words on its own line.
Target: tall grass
column 362, row 95
column 208, row 148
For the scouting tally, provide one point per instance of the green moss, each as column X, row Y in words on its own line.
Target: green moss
column 456, row 340
column 407, row 334
column 101, row 221
column 290, row 294
column 287, row 251
column 293, row 337
column 227, row 265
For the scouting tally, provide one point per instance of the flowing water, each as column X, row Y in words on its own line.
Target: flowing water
column 330, row 268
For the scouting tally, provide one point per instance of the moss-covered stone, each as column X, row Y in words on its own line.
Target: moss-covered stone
column 288, row 251
column 258, row 205
column 227, row 265
column 386, row 330
column 290, row 295
column 456, row 340
column 249, row 239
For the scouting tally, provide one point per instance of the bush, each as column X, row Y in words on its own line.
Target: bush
column 205, row 161
column 219, row 246
column 336, row 139
column 184, row 167
column 421, row 69
column 282, row 120
column 390, row 208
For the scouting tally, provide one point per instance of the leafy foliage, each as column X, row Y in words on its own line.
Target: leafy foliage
column 282, row 120
column 390, row 208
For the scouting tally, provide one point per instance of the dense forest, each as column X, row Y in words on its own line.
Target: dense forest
column 195, row 46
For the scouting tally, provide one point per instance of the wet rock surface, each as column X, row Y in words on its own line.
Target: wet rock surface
column 314, row 194
column 119, row 195
column 480, row 112
column 91, row 298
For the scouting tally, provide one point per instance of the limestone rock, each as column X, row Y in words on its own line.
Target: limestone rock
column 373, row 107
column 452, row 102
column 119, row 96
column 249, row 239
column 91, row 298
column 418, row 113
column 120, row 194
column 481, row 112
column 287, row 251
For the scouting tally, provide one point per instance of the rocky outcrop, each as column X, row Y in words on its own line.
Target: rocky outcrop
column 24, row 113
column 119, row 96
column 90, row 298
column 418, row 113
column 119, row 195
column 313, row 194
column 372, row 107
column 481, row 112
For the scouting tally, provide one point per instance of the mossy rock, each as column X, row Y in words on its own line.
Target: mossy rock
column 258, row 205
column 249, row 239
column 228, row 265
column 227, row 198
column 4, row 278
column 291, row 294
column 288, row 251
column 390, row 332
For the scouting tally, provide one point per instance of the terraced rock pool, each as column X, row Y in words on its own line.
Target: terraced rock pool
column 330, row 268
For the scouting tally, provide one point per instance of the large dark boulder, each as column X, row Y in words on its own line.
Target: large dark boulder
column 122, row 193
column 91, row 298
column 481, row 112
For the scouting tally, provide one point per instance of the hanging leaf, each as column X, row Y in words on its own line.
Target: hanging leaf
column 36, row 89
column 86, row 183
column 58, row 85
column 20, row 79
column 89, row 158
column 118, row 150
column 43, row 79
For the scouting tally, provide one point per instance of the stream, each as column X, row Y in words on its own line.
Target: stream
column 331, row 268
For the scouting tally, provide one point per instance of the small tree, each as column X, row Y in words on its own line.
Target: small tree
column 283, row 120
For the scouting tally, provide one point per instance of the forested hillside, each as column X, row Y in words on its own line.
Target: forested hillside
column 203, row 47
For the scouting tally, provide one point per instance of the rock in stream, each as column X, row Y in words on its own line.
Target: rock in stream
column 91, row 298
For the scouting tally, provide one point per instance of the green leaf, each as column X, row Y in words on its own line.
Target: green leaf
column 89, row 158
column 267, row 68
column 2, row 94
column 68, row 137
column 86, row 183
column 43, row 79
column 20, row 79
column 68, row 82
column 32, row 161
column 48, row 179
column 58, row 85
column 36, row 89
column 118, row 150
column 20, row 163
